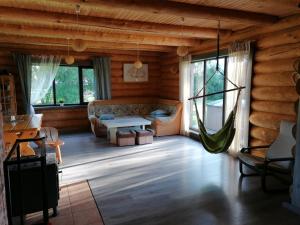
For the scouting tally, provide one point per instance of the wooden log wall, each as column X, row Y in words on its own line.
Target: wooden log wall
column 273, row 92
column 140, row 89
column 169, row 83
column 75, row 118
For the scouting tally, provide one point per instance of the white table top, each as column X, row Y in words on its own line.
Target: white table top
column 126, row 121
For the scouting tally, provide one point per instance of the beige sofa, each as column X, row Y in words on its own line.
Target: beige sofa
column 162, row 126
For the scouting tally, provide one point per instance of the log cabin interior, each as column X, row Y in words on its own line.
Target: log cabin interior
column 158, row 112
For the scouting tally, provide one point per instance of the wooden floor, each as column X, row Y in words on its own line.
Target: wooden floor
column 173, row 181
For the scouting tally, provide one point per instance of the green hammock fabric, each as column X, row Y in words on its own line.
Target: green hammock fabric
column 221, row 140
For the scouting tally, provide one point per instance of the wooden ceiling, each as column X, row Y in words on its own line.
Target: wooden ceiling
column 154, row 25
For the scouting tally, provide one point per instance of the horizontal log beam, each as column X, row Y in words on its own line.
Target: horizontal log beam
column 274, row 79
column 148, row 7
column 275, row 66
column 33, row 17
column 92, row 46
column 287, row 108
column 281, row 94
column 279, row 52
column 35, row 31
column 264, row 134
column 248, row 34
column 269, row 120
column 280, row 38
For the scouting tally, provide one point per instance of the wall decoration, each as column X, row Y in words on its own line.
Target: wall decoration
column 132, row 74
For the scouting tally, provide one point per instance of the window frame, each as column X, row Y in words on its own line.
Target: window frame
column 204, row 60
column 80, row 83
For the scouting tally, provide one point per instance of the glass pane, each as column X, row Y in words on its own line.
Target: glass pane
column 196, row 85
column 48, row 99
column 67, row 85
column 88, row 82
column 213, row 116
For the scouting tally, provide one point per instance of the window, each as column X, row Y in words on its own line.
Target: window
column 211, row 108
column 72, row 85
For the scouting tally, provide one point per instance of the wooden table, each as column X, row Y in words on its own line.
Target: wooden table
column 128, row 121
column 25, row 126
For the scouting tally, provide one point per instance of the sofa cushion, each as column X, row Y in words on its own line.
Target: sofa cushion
column 159, row 112
column 124, row 110
column 108, row 116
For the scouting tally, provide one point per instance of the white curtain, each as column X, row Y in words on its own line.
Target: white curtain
column 239, row 72
column 43, row 74
column 185, row 92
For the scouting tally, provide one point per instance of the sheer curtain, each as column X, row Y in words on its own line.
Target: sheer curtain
column 239, row 72
column 185, row 92
column 43, row 74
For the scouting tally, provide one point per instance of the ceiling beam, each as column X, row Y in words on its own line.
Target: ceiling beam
column 34, row 17
column 35, row 31
column 58, row 50
column 147, row 7
column 249, row 34
column 59, row 42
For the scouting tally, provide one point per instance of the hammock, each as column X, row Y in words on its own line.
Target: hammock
column 220, row 141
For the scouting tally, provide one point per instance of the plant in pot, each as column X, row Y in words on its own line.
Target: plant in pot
column 61, row 102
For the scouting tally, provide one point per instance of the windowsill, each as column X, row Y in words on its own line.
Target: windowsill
column 59, row 107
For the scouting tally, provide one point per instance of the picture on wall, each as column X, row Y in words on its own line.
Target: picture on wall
column 132, row 74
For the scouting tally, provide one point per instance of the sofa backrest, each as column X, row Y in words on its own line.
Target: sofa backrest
column 132, row 106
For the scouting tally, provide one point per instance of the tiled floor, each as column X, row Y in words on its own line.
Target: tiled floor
column 76, row 207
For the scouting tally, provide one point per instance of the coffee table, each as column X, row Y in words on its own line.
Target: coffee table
column 128, row 121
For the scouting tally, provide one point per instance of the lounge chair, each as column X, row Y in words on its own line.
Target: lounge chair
column 278, row 160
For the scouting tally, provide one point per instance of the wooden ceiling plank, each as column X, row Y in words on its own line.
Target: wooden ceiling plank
column 150, row 7
column 21, row 16
column 35, row 31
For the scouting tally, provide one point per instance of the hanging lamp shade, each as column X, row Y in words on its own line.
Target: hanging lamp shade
column 79, row 45
column 138, row 64
column 182, row 51
column 69, row 60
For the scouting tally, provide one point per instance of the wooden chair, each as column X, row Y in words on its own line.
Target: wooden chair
column 279, row 158
column 52, row 140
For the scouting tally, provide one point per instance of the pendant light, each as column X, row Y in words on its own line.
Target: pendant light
column 138, row 63
column 69, row 59
column 78, row 45
column 182, row 50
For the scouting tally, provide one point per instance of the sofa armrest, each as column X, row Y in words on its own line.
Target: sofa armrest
column 98, row 129
column 157, row 121
column 93, row 119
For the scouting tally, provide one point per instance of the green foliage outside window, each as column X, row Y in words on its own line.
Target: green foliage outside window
column 67, row 86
